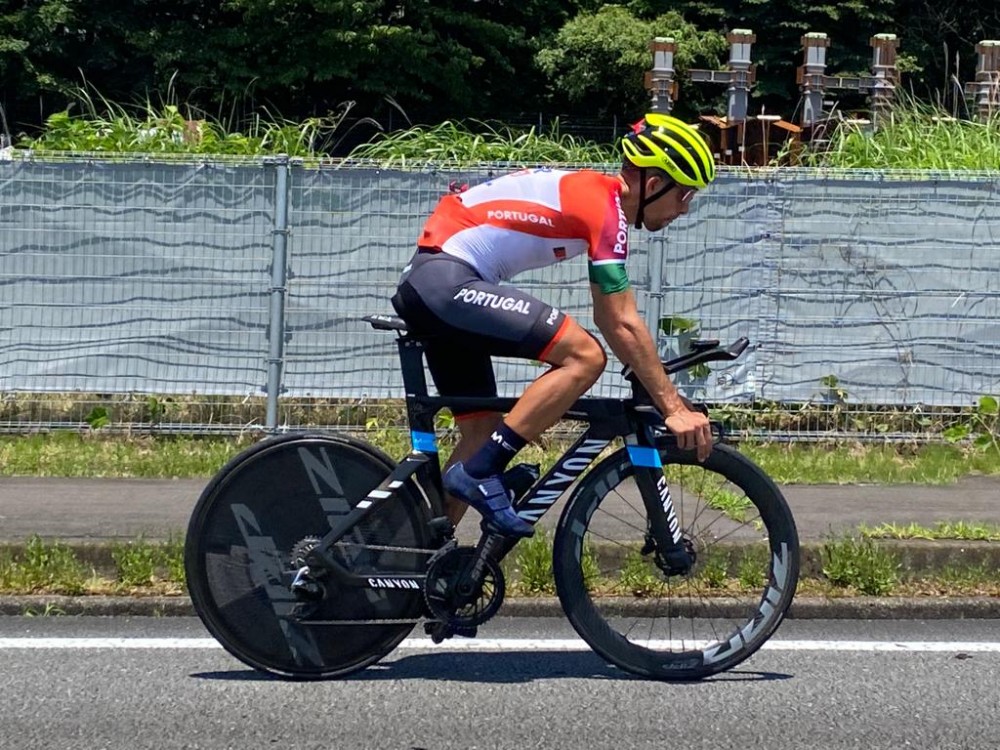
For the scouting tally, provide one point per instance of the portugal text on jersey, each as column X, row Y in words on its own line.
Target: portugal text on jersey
column 535, row 218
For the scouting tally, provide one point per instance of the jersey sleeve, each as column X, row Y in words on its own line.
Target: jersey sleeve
column 595, row 200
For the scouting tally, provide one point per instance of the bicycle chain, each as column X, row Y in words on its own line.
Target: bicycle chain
column 386, row 548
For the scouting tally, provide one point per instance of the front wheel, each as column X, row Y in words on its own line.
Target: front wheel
column 737, row 524
column 248, row 534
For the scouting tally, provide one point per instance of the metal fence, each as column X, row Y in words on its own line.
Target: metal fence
column 227, row 294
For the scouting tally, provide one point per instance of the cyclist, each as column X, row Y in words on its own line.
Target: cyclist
column 479, row 237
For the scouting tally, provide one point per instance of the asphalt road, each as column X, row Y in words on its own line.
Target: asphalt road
column 851, row 684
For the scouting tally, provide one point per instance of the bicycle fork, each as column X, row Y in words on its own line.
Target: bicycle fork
column 664, row 536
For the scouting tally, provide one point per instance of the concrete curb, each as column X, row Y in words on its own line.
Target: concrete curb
column 917, row 556
column 804, row 608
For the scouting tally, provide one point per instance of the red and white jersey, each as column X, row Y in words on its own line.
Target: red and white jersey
column 535, row 218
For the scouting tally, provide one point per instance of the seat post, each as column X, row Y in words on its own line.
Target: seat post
column 411, row 358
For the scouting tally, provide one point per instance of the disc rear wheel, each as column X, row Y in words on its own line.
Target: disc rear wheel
column 258, row 515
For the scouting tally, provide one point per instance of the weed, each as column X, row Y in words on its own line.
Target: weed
column 173, row 560
column 638, row 577
column 533, row 563
column 982, row 426
column 50, row 610
column 965, row 530
column 590, row 566
column 752, row 569
column 44, row 566
column 860, row 563
column 713, row 568
column 136, row 563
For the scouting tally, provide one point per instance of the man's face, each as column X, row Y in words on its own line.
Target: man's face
column 667, row 207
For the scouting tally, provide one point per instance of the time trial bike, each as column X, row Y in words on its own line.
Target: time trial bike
column 313, row 555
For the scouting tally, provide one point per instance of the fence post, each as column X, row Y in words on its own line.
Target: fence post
column 278, row 290
column 654, row 311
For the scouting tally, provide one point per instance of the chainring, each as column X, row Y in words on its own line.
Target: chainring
column 302, row 548
column 462, row 609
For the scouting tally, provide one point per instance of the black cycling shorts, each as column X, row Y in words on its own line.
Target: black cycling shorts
column 471, row 320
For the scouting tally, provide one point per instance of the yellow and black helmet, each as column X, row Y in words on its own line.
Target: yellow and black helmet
column 664, row 142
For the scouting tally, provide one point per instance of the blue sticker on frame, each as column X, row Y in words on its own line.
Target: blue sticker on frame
column 424, row 442
column 641, row 456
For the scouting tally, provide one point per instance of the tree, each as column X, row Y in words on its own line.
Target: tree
column 598, row 60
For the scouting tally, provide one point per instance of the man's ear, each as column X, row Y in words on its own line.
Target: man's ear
column 655, row 183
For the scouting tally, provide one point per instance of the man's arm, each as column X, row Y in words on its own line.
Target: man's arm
column 625, row 331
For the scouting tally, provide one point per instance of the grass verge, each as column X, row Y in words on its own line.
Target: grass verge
column 92, row 454
column 851, row 565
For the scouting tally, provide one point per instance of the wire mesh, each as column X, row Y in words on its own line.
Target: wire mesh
column 136, row 293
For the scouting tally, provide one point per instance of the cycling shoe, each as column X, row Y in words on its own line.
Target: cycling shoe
column 490, row 498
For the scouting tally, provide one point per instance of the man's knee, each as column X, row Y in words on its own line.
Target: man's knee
column 597, row 357
column 588, row 356
column 580, row 350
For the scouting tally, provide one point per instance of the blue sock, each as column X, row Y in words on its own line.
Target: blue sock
column 493, row 457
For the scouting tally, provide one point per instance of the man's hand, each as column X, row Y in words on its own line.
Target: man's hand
column 693, row 432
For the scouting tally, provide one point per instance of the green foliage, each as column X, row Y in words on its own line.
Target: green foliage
column 861, row 564
column 676, row 325
column 913, row 136
column 852, row 463
column 140, row 563
column 454, row 143
column 171, row 128
column 590, row 566
column 43, row 566
column 780, row 26
column 447, row 58
column 533, row 563
column 753, row 567
column 598, row 60
column 638, row 577
column 173, row 560
column 834, row 390
column 136, row 562
column 97, row 418
column 965, row 530
column 68, row 454
column 713, row 568
column 982, row 426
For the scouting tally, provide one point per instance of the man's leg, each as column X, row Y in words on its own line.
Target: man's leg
column 475, row 430
column 577, row 360
column 488, row 443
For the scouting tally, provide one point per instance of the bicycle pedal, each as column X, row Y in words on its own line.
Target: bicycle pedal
column 441, row 631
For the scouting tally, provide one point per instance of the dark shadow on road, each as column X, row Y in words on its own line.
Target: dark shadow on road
column 499, row 668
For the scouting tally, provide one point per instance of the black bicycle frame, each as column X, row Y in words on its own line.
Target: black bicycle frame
column 633, row 419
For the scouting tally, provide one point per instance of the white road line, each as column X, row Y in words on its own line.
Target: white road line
column 512, row 645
